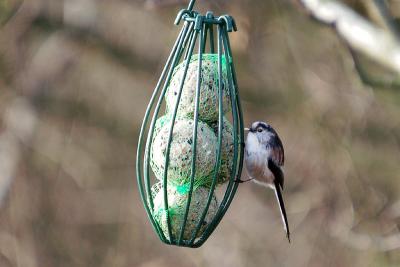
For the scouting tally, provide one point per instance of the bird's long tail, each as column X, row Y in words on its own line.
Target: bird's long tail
column 279, row 198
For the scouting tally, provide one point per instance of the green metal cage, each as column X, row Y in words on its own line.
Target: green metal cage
column 210, row 33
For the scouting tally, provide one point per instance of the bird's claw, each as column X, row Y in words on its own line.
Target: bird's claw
column 239, row 181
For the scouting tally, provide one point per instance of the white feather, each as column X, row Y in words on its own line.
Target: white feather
column 256, row 159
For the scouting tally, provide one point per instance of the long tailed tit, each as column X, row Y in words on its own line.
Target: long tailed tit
column 264, row 157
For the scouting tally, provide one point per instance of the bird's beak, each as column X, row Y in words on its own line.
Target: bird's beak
column 246, row 129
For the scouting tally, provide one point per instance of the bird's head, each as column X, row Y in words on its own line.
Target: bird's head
column 262, row 130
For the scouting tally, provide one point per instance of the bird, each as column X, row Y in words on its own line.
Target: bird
column 264, row 159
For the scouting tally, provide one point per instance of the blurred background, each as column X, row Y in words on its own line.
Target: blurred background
column 75, row 79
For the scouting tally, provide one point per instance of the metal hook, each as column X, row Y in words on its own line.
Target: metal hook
column 180, row 15
column 209, row 15
column 229, row 22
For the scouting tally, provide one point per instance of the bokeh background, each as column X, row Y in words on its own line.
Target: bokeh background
column 75, row 79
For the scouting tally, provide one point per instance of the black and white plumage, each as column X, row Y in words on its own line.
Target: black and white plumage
column 264, row 158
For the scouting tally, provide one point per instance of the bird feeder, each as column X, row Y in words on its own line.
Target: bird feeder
column 191, row 139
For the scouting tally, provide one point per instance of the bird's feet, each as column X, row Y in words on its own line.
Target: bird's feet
column 242, row 181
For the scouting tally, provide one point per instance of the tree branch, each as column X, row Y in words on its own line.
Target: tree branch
column 384, row 13
column 358, row 32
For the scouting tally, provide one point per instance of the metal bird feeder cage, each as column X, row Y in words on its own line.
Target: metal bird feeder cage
column 185, row 156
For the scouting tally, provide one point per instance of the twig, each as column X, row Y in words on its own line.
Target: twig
column 384, row 13
column 367, row 78
column 359, row 33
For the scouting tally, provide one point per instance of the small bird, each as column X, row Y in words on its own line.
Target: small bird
column 264, row 157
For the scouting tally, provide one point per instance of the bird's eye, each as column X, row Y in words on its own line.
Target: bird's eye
column 259, row 130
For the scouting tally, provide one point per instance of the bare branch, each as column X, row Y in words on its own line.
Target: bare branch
column 358, row 32
column 369, row 79
column 384, row 12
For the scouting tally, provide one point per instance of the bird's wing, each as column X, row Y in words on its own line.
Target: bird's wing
column 277, row 152
column 277, row 172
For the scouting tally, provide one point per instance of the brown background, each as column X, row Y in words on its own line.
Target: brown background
column 84, row 71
